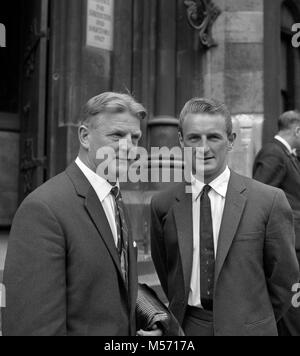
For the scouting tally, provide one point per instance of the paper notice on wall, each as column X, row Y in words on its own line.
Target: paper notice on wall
column 100, row 24
column 2, row 296
column 2, row 35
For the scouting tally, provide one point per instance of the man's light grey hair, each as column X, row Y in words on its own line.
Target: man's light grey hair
column 111, row 103
column 206, row 106
column 288, row 119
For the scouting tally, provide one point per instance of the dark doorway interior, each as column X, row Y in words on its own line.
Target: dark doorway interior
column 9, row 57
column 10, row 17
column 10, row 68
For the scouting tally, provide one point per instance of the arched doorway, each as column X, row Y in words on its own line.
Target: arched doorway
column 282, row 62
column 290, row 58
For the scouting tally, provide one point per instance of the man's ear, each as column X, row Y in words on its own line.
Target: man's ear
column 297, row 131
column 83, row 134
column 180, row 139
column 231, row 139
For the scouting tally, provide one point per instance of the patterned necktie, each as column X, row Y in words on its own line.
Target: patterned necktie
column 122, row 231
column 207, row 251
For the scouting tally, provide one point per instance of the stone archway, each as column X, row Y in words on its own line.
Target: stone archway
column 281, row 89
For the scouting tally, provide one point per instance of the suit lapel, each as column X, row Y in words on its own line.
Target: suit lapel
column 233, row 211
column 132, row 274
column 133, row 284
column 97, row 214
column 296, row 165
column 183, row 214
column 290, row 156
column 95, row 211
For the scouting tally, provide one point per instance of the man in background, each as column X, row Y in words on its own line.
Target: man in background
column 277, row 165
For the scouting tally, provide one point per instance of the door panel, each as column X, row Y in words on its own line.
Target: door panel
column 9, row 113
column 33, row 96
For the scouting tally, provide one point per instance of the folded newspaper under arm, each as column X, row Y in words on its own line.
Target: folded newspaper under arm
column 150, row 310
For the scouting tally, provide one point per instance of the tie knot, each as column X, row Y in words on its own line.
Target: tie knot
column 206, row 189
column 115, row 191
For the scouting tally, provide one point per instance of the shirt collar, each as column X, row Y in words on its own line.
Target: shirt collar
column 219, row 185
column 285, row 143
column 101, row 186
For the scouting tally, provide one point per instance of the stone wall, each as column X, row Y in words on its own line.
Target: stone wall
column 233, row 73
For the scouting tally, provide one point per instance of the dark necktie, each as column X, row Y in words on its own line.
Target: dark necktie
column 207, row 251
column 295, row 160
column 122, row 231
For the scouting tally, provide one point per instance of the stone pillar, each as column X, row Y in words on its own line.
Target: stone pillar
column 233, row 73
column 163, row 125
column 77, row 72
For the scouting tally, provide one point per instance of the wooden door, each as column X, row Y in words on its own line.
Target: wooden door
column 33, row 163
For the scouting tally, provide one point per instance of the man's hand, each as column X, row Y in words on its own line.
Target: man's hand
column 155, row 332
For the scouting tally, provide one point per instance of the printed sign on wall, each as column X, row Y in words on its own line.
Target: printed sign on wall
column 100, row 24
column 2, row 35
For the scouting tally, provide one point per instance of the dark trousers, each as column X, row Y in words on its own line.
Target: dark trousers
column 198, row 322
column 289, row 325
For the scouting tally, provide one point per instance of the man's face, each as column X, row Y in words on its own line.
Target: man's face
column 118, row 132
column 206, row 134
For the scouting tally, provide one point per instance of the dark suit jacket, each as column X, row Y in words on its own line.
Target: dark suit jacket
column 62, row 272
column 256, row 263
column 275, row 166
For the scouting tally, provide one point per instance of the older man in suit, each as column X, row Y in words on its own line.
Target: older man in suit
column 223, row 245
column 277, row 165
column 71, row 266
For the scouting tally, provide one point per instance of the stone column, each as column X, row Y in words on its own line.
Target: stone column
column 77, row 72
column 234, row 73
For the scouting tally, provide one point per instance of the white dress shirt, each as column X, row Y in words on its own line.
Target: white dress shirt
column 103, row 191
column 286, row 144
column 217, row 197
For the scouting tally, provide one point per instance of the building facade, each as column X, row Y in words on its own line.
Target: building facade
column 60, row 53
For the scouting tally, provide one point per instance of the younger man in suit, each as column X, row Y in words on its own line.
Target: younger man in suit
column 225, row 253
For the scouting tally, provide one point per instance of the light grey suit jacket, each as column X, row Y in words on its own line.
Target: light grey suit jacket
column 256, row 263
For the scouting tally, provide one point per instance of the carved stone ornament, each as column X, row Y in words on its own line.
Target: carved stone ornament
column 202, row 14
